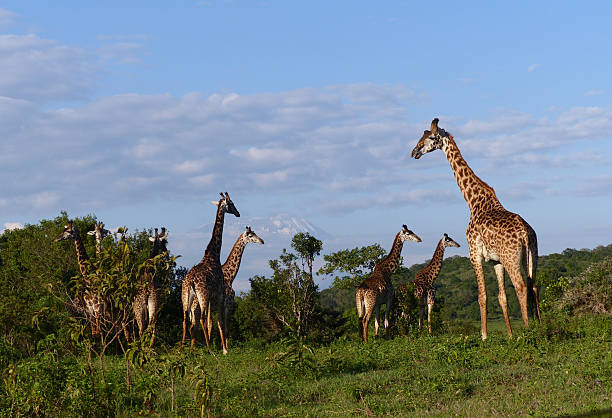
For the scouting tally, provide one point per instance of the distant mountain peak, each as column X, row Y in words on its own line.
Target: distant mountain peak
column 284, row 224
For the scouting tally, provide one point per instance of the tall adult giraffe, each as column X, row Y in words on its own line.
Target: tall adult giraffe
column 94, row 305
column 206, row 278
column 146, row 304
column 493, row 233
column 424, row 280
column 230, row 270
column 378, row 289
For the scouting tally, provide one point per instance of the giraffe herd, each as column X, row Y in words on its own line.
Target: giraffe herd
column 493, row 234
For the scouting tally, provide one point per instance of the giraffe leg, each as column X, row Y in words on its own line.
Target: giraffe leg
column 195, row 313
column 221, row 323
column 376, row 322
column 537, row 299
column 364, row 324
column 429, row 309
column 228, row 308
column 501, row 296
column 387, row 310
column 366, row 320
column 153, row 307
column 514, row 271
column 209, row 325
column 476, row 259
column 187, row 300
column 139, row 315
column 185, row 314
column 421, row 309
column 204, row 329
column 430, row 304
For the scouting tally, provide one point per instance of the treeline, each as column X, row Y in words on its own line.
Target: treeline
column 456, row 291
column 38, row 277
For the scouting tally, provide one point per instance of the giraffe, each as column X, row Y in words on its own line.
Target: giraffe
column 100, row 233
column 94, row 305
column 378, row 289
column 423, row 282
column 493, row 233
column 146, row 304
column 206, row 278
column 230, row 270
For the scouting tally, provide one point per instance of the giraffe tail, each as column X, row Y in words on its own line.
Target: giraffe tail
column 360, row 303
column 531, row 265
column 531, row 250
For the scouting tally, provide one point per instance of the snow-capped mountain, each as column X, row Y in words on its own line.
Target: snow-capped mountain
column 284, row 224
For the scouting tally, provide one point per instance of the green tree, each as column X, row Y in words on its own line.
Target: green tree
column 286, row 302
column 307, row 248
column 357, row 264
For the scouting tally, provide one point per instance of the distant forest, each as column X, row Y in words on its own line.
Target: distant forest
column 456, row 290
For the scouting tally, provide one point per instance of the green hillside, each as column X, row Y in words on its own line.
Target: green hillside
column 456, row 287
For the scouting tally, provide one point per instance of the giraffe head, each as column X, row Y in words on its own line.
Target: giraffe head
column 226, row 204
column 449, row 242
column 433, row 139
column 408, row 235
column 250, row 236
column 160, row 240
column 99, row 232
column 70, row 232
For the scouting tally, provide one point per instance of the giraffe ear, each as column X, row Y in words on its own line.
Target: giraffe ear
column 91, row 232
column 152, row 239
column 216, row 203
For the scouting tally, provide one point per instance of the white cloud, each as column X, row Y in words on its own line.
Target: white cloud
column 121, row 52
column 265, row 155
column 337, row 138
column 594, row 93
column 7, row 18
column 39, row 69
column 9, row 226
column 533, row 67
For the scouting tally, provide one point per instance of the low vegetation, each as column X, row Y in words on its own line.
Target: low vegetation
column 294, row 349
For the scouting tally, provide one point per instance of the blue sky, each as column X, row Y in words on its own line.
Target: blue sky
column 306, row 114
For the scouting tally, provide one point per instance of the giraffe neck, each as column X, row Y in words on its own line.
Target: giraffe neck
column 232, row 264
column 155, row 249
column 81, row 255
column 435, row 265
column 214, row 246
column 391, row 261
column 98, row 247
column 478, row 194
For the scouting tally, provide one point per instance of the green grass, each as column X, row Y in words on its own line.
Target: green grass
column 560, row 367
column 440, row 376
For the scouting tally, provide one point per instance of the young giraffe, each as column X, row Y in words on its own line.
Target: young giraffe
column 94, row 305
column 423, row 282
column 147, row 301
column 230, row 270
column 493, row 233
column 100, row 233
column 206, row 278
column 378, row 289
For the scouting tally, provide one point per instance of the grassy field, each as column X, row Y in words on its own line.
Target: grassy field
column 556, row 368
column 544, row 371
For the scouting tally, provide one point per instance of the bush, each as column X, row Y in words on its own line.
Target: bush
column 589, row 292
